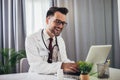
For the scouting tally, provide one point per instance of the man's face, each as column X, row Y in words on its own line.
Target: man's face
column 56, row 23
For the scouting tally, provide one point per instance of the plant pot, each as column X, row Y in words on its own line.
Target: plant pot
column 84, row 77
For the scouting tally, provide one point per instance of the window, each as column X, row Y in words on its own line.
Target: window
column 36, row 14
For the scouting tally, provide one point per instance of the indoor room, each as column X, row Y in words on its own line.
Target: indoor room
column 59, row 39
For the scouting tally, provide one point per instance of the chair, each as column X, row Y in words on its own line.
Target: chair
column 24, row 66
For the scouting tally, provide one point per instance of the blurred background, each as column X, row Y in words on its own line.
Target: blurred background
column 90, row 22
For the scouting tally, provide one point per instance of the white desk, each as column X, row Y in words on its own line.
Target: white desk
column 114, row 75
column 30, row 76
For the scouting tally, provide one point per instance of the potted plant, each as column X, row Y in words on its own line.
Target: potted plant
column 85, row 68
column 9, row 59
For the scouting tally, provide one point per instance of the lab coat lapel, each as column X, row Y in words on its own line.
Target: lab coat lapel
column 40, row 42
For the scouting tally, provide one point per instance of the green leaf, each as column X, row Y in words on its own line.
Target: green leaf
column 10, row 57
column 85, row 67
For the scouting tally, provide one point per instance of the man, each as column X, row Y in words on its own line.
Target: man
column 41, row 57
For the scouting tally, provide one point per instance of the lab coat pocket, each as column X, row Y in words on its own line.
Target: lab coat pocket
column 44, row 55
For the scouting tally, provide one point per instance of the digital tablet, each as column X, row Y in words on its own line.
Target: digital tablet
column 98, row 53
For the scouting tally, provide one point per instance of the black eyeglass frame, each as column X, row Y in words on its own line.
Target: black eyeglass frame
column 59, row 22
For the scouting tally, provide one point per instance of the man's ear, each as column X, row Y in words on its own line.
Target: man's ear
column 47, row 20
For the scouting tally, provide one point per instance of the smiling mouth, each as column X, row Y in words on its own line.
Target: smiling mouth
column 58, row 29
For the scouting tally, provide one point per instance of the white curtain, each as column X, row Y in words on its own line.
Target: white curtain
column 12, row 28
column 89, row 23
column 12, row 33
column 36, row 14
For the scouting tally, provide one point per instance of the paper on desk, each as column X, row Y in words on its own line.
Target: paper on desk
column 35, row 76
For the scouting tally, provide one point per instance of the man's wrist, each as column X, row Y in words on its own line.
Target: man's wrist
column 62, row 65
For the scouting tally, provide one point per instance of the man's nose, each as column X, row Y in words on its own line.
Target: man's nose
column 61, row 25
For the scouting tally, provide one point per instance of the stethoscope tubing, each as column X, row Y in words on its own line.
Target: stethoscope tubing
column 46, row 45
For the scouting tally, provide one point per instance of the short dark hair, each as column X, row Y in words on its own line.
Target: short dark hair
column 52, row 10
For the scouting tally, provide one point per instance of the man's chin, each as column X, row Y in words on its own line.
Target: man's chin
column 57, row 34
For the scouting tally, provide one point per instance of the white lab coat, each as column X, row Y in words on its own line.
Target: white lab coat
column 37, row 54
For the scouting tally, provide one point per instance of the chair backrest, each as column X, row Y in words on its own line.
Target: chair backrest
column 24, row 66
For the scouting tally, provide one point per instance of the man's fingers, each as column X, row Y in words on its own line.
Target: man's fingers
column 74, row 69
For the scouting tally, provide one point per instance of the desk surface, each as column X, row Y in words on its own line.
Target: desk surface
column 114, row 75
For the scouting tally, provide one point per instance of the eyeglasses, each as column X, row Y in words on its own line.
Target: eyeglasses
column 58, row 22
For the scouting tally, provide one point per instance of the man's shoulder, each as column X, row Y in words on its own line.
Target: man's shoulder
column 60, row 38
column 35, row 35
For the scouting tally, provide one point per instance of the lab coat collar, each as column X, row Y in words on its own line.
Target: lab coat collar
column 46, row 36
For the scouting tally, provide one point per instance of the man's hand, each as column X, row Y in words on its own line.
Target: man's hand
column 70, row 67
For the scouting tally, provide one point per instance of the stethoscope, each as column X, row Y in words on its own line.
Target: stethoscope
column 46, row 45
